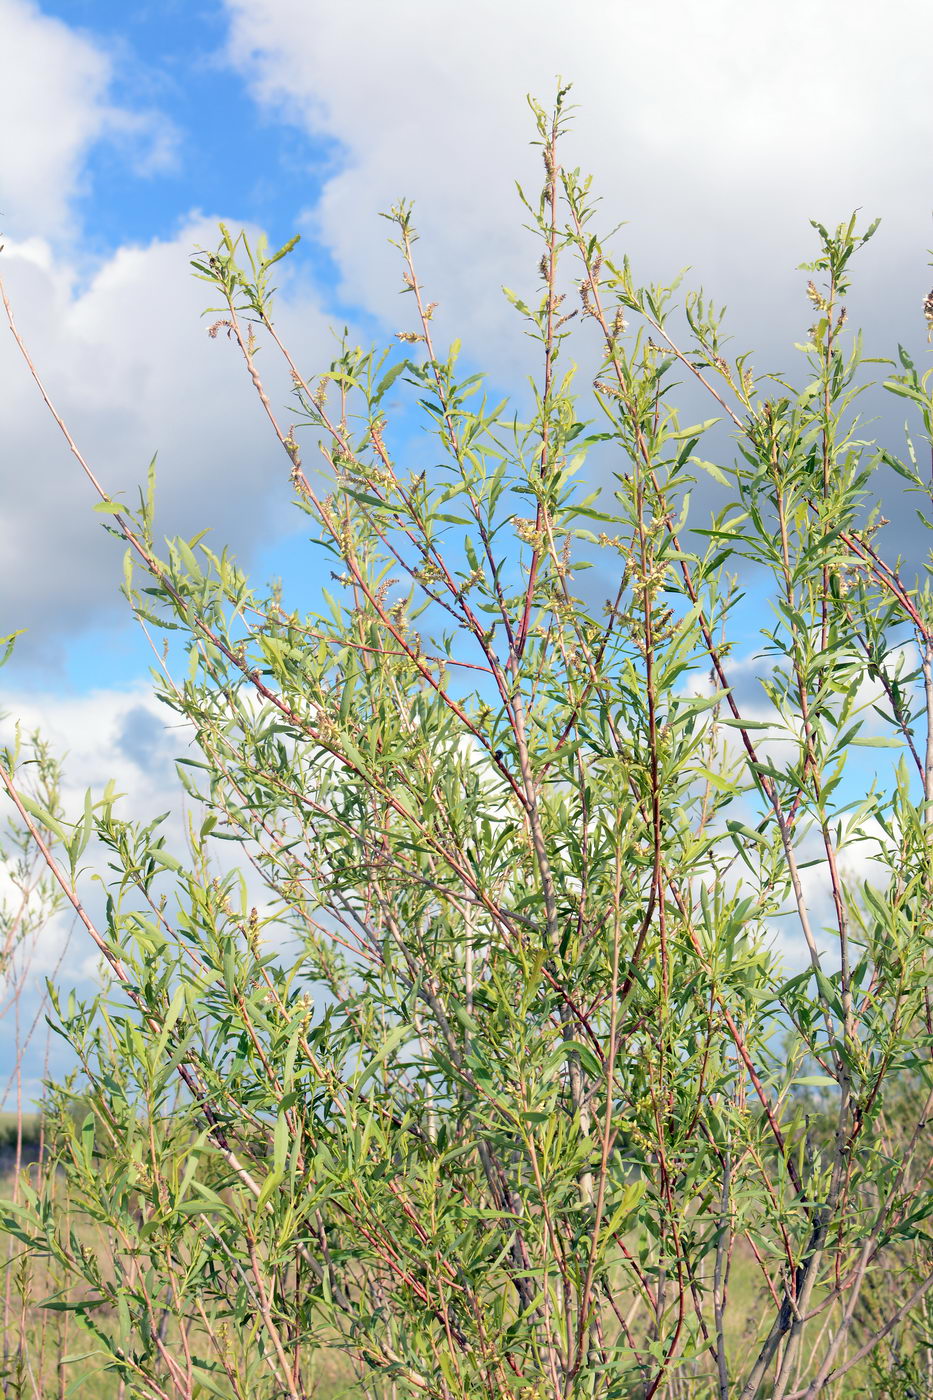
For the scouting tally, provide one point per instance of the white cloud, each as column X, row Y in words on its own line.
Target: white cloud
column 717, row 130
column 55, row 84
column 129, row 364
column 125, row 735
column 121, row 346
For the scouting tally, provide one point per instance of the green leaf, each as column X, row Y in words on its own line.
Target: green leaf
column 43, row 817
column 285, row 249
column 390, row 1043
column 711, row 470
column 388, row 379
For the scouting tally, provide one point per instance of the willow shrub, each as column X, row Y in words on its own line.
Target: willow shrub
column 503, row 1086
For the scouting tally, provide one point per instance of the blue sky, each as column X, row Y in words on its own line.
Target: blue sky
column 715, row 132
column 169, row 57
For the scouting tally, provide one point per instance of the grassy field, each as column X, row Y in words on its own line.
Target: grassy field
column 46, row 1355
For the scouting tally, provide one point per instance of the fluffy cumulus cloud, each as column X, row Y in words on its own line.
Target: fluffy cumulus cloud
column 125, row 736
column 133, row 372
column 56, row 103
column 714, row 130
column 122, row 347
